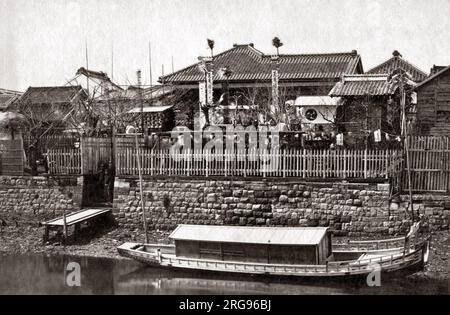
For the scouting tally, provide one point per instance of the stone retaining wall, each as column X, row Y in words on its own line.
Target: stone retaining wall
column 435, row 207
column 348, row 208
column 38, row 197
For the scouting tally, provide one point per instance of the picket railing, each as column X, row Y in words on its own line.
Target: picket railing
column 64, row 161
column 282, row 163
column 300, row 163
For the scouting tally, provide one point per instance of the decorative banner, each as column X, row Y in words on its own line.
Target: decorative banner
column 414, row 98
column 275, row 95
column 209, row 87
column 377, row 135
column 339, row 139
column 202, row 92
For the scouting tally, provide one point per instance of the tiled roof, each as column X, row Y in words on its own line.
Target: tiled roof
column 9, row 92
column 360, row 85
column 53, row 94
column 7, row 97
column 248, row 64
column 397, row 62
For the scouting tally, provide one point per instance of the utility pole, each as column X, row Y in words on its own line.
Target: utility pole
column 141, row 103
column 172, row 66
column 150, row 63
column 406, row 141
column 397, row 80
column 112, row 61
column 162, row 82
column 87, row 64
column 139, row 157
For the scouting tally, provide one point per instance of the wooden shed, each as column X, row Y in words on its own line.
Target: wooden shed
column 433, row 104
column 282, row 245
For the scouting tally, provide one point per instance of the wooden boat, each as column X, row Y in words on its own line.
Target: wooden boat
column 279, row 251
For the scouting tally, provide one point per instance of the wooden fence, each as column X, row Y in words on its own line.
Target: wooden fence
column 429, row 161
column 284, row 163
column 64, row 161
column 430, row 164
column 95, row 152
column 299, row 163
column 86, row 159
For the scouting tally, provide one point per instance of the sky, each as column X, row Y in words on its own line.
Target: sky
column 43, row 41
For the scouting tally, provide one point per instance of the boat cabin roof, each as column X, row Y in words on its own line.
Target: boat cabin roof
column 249, row 235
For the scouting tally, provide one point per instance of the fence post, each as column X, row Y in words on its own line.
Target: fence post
column 264, row 162
column 303, row 153
column 365, row 163
column 345, row 163
column 206, row 162
column 225, row 160
column 82, row 157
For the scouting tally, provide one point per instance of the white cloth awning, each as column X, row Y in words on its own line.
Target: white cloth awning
column 317, row 101
column 233, row 107
column 149, row 109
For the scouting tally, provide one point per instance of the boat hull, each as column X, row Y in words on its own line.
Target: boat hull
column 396, row 266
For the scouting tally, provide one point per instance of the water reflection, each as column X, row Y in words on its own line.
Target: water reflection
column 41, row 274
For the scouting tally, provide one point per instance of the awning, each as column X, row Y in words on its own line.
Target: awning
column 243, row 107
column 317, row 101
column 149, row 109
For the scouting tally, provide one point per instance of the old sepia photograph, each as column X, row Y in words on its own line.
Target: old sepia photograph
column 242, row 149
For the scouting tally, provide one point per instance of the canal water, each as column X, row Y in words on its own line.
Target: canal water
column 42, row 274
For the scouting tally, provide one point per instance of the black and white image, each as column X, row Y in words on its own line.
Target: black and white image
column 224, row 147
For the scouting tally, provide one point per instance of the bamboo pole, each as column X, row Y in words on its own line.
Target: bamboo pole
column 138, row 158
column 405, row 134
column 64, row 227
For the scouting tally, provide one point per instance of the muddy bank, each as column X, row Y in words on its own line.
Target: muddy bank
column 27, row 238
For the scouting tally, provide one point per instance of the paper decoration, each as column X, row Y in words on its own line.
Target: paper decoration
column 339, row 139
column 202, row 92
column 209, row 88
column 275, row 92
column 377, row 135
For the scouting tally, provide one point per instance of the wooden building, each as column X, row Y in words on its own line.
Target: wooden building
column 371, row 103
column 368, row 104
column 51, row 105
column 282, row 245
column 243, row 76
column 433, row 104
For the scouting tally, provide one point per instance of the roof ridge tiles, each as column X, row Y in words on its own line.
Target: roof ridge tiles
column 401, row 59
column 337, row 63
